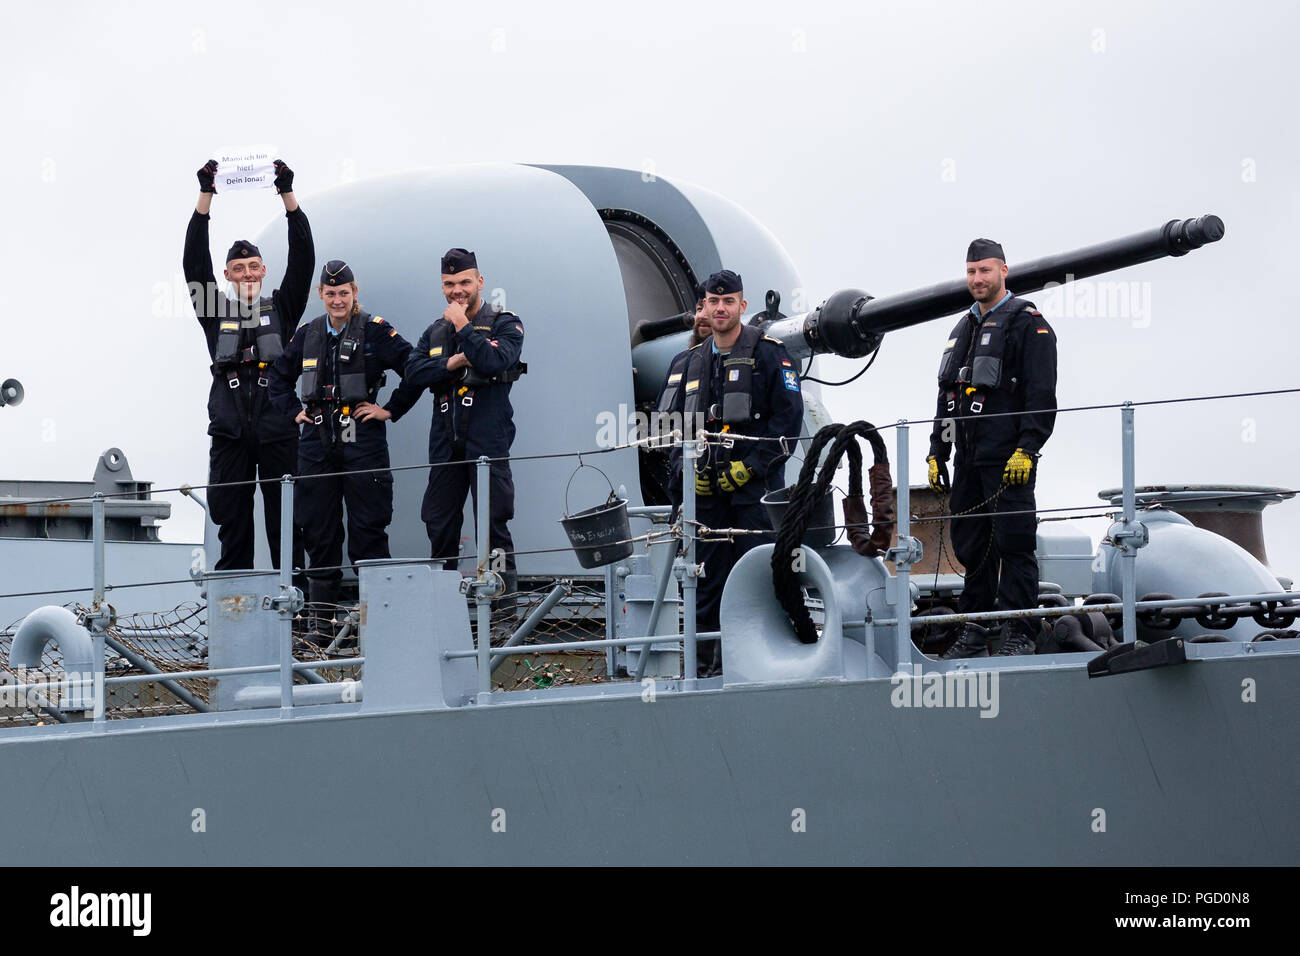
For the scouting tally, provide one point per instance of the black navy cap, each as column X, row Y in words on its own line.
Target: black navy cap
column 985, row 249
column 722, row 283
column 242, row 249
column 336, row 272
column 457, row 260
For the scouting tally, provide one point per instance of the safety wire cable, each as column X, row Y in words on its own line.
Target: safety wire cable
column 658, row 442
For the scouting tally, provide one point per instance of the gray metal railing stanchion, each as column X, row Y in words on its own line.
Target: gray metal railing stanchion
column 661, row 590
column 903, row 560
column 1133, row 535
column 100, row 617
column 690, row 451
column 483, row 603
column 286, row 604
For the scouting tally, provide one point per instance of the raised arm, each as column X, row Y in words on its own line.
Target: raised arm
column 295, row 289
column 196, row 259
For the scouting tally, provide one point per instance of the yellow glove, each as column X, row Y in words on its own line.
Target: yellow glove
column 1018, row 467
column 735, row 476
column 703, row 486
column 938, row 475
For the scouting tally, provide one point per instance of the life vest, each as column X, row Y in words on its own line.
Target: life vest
column 443, row 342
column 232, row 356
column 737, row 405
column 676, row 372
column 972, row 362
column 349, row 386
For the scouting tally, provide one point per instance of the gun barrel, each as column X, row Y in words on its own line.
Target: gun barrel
column 851, row 323
column 1175, row 238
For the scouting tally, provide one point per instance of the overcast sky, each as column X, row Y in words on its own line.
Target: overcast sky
column 874, row 140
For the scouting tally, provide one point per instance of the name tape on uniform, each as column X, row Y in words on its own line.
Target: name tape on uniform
column 248, row 167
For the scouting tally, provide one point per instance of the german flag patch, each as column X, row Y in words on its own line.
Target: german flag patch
column 1044, row 331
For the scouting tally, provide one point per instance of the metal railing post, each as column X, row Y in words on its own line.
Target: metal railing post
column 690, row 450
column 610, row 652
column 656, row 609
column 482, row 602
column 98, row 618
column 1134, row 534
column 286, row 595
column 903, row 564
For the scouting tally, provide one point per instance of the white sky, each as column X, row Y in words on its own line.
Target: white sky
column 873, row 139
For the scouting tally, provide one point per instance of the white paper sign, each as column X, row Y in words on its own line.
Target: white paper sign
column 245, row 168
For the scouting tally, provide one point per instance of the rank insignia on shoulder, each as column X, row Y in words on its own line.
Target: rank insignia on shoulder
column 437, row 351
column 692, row 385
column 791, row 380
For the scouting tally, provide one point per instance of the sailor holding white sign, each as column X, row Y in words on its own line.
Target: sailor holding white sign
column 245, row 334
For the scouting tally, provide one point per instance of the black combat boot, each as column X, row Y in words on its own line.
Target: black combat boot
column 973, row 641
column 1019, row 640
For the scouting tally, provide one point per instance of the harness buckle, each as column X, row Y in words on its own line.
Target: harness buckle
column 467, row 401
column 263, row 381
column 977, row 406
column 233, row 381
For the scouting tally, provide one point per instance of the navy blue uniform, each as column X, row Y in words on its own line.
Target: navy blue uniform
column 776, row 410
column 250, row 439
column 332, row 446
column 1006, row 359
column 472, row 416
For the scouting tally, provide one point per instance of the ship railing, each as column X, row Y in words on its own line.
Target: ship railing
column 1127, row 534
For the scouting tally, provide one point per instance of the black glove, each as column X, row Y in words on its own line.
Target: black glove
column 206, row 175
column 283, row 177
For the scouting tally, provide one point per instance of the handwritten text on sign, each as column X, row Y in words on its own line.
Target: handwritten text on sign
column 245, row 168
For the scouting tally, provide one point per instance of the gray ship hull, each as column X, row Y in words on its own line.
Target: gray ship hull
column 1160, row 767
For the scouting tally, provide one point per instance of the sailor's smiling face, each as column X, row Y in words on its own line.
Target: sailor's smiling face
column 339, row 300
column 462, row 287
column 247, row 275
column 986, row 280
column 724, row 310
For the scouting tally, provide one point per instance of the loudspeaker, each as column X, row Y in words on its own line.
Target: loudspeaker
column 11, row 392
